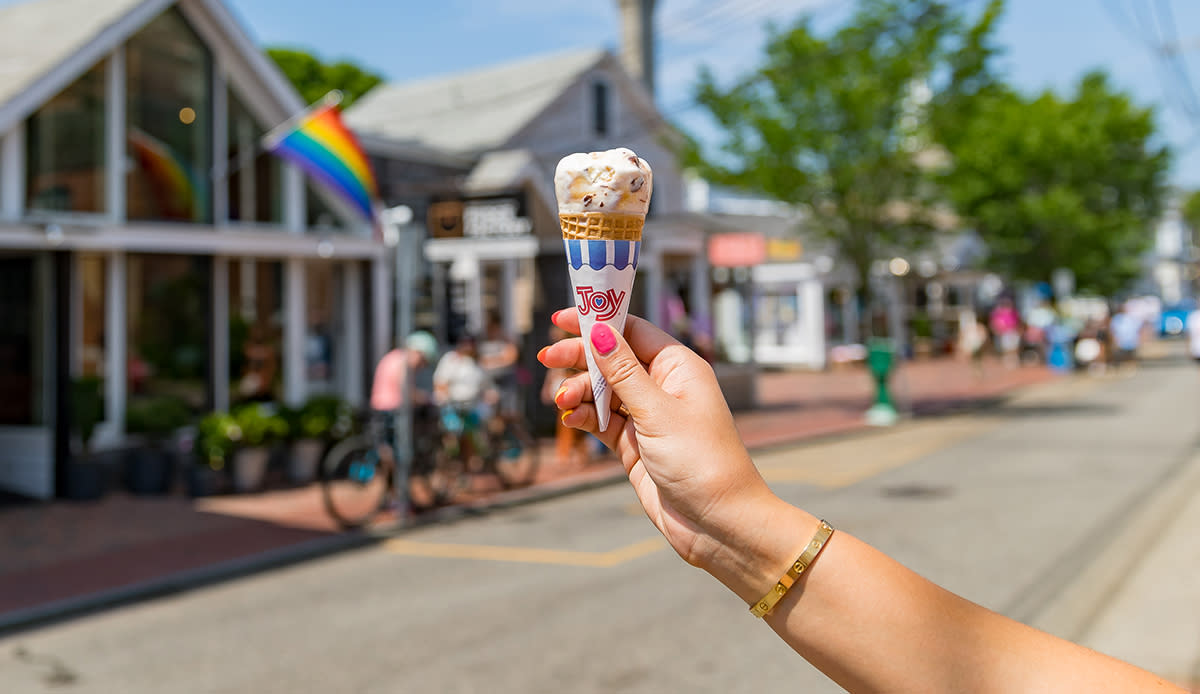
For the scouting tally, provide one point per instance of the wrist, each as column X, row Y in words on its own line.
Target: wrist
column 751, row 552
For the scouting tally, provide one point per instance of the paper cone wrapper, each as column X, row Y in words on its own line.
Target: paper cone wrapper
column 602, row 273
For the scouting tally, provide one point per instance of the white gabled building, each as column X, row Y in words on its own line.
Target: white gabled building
column 145, row 238
column 494, row 247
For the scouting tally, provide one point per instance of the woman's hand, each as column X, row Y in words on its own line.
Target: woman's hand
column 679, row 446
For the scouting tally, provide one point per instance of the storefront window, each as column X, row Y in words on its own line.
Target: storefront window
column 169, row 84
column 91, row 321
column 64, row 152
column 323, row 327
column 168, row 320
column 21, row 344
column 255, row 330
column 320, row 215
column 254, row 182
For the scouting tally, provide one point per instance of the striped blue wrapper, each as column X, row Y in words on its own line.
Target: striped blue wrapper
column 598, row 254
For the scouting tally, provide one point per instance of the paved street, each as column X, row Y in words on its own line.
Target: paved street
column 578, row 594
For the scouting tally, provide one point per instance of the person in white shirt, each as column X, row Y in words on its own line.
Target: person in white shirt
column 1193, row 332
column 463, row 388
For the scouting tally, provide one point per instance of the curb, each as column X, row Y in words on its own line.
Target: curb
column 178, row 582
column 1069, row 598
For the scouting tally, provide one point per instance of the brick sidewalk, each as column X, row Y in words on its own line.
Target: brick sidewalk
column 58, row 553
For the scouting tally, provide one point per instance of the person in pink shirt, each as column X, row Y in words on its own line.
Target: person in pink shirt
column 391, row 374
column 1006, row 326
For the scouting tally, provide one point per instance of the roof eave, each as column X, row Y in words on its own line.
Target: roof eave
column 45, row 86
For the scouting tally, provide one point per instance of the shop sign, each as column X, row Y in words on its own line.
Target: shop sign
column 784, row 250
column 501, row 217
column 737, row 249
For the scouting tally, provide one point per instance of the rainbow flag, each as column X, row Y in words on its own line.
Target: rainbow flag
column 323, row 147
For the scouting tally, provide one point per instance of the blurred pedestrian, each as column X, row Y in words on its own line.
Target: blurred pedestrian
column 390, row 387
column 1006, row 327
column 498, row 355
column 1126, row 330
column 464, row 391
column 972, row 340
column 571, row 446
column 1192, row 327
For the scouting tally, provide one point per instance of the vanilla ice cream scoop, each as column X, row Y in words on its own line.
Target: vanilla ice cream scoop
column 613, row 182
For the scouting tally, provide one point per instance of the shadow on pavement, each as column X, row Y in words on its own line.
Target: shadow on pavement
column 1054, row 410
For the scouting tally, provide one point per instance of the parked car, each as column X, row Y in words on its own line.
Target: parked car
column 1174, row 318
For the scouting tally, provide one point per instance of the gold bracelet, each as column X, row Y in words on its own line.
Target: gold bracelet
column 763, row 606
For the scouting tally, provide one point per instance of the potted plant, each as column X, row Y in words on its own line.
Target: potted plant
column 149, row 466
column 258, row 426
column 922, row 335
column 88, row 472
column 335, row 414
column 215, row 440
column 306, row 434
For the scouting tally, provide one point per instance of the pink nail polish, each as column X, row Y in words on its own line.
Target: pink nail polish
column 603, row 338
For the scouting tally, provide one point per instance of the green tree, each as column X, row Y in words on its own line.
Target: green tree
column 1050, row 182
column 314, row 78
column 834, row 122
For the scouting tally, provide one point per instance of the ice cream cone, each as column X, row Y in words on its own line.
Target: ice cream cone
column 602, row 273
column 603, row 198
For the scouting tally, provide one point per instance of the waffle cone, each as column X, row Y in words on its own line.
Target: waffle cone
column 599, row 226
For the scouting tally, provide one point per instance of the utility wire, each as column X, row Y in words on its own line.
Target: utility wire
column 1170, row 53
column 1150, row 26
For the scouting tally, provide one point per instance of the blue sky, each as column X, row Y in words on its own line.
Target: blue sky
column 1050, row 43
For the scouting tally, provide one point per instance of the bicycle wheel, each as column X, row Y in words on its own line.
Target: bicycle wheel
column 355, row 481
column 426, row 477
column 514, row 455
column 450, row 475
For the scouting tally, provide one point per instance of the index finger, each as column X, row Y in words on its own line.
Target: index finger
column 646, row 339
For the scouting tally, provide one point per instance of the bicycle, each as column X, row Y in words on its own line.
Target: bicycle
column 358, row 477
column 499, row 447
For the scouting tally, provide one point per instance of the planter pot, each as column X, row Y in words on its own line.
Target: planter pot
column 922, row 347
column 304, row 458
column 203, row 481
column 148, row 470
column 250, row 468
column 90, row 476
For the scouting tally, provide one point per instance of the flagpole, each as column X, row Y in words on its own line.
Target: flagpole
column 267, row 142
column 333, row 98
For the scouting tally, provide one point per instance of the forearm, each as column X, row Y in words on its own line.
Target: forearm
column 872, row 625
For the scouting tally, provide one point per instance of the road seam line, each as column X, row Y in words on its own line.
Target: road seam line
column 525, row 555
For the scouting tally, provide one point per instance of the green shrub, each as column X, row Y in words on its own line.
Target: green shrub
column 216, row 438
column 156, row 417
column 260, row 424
column 327, row 415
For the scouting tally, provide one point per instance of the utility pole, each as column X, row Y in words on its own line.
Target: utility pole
column 400, row 232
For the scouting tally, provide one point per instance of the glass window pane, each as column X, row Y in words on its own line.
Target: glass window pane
column 92, row 323
column 254, row 181
column 168, row 327
column 64, row 149
column 20, row 341
column 321, row 342
column 255, row 330
column 600, row 113
column 169, row 85
column 321, row 216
